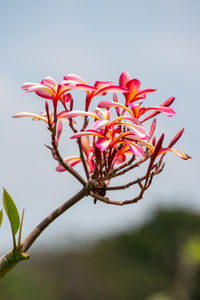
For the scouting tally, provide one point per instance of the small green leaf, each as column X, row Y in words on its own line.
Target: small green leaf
column 11, row 211
column 1, row 216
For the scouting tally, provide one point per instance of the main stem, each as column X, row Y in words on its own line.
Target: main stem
column 29, row 240
column 12, row 258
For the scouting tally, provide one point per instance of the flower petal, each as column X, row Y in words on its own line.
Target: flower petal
column 27, row 85
column 42, row 91
column 166, row 103
column 84, row 133
column 85, row 141
column 108, row 104
column 99, row 124
column 75, row 78
column 80, row 113
column 135, row 149
column 30, row 115
column 112, row 88
column 102, row 143
column 168, row 111
column 49, row 81
column 124, row 78
column 70, row 161
column 139, row 130
column 178, row 152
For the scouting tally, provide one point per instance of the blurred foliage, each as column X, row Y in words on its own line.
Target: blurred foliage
column 158, row 261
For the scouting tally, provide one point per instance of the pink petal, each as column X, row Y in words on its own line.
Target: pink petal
column 85, row 87
column 27, row 85
column 139, row 130
column 168, row 111
column 99, row 124
column 133, row 85
column 179, row 153
column 91, row 165
column 67, row 98
column 124, row 78
column 70, row 161
column 112, row 89
column 145, row 91
column 101, row 84
column 80, row 113
column 80, row 86
column 120, row 158
column 42, row 91
column 84, row 133
column 134, row 120
column 85, row 141
column 102, row 143
column 108, row 104
column 30, row 115
column 166, row 103
column 135, row 149
column 49, row 81
column 75, row 78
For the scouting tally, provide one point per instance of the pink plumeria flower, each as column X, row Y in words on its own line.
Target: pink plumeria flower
column 100, row 87
column 49, row 89
column 133, row 85
column 104, row 130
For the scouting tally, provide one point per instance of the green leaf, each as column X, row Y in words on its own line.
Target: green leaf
column 11, row 211
column 1, row 216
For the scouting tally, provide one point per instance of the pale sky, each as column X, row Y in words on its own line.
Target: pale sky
column 157, row 42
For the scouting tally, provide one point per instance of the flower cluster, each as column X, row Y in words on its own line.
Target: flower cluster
column 116, row 140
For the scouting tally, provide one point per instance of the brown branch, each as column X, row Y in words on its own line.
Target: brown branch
column 13, row 257
column 127, row 185
column 82, row 158
column 126, row 164
column 58, row 157
column 137, row 164
column 114, row 202
column 51, row 217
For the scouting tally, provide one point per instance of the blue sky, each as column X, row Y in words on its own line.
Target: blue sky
column 157, row 42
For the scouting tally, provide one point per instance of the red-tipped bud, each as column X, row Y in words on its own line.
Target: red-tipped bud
column 176, row 138
column 152, row 129
column 154, row 141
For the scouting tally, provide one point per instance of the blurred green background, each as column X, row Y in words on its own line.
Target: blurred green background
column 159, row 260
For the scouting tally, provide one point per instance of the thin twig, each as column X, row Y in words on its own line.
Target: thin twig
column 82, row 158
column 127, row 185
column 58, row 157
column 137, row 164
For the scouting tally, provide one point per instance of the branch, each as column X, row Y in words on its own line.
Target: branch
column 12, row 258
column 58, row 157
column 82, row 158
column 137, row 164
column 125, row 186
